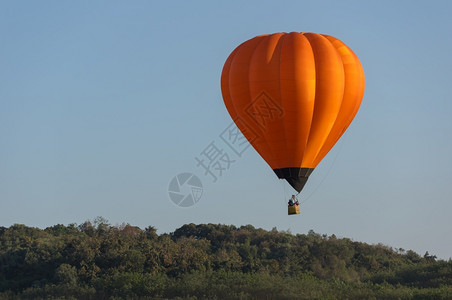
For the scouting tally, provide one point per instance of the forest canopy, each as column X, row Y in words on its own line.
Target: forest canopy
column 96, row 260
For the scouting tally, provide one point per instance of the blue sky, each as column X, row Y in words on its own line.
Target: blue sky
column 103, row 103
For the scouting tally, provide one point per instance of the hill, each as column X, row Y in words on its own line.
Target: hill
column 95, row 260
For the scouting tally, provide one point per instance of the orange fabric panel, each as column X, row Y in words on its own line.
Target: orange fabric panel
column 264, row 77
column 328, row 95
column 353, row 94
column 236, row 94
column 296, row 92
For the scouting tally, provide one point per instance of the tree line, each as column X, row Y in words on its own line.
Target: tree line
column 96, row 260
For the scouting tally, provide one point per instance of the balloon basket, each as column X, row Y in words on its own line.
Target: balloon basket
column 294, row 210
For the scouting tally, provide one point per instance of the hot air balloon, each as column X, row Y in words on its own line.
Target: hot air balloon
column 292, row 95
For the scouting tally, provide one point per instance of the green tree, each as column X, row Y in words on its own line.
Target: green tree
column 66, row 274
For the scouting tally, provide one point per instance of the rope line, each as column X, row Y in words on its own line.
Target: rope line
column 328, row 171
column 283, row 182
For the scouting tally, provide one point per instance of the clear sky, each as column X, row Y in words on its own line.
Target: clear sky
column 102, row 103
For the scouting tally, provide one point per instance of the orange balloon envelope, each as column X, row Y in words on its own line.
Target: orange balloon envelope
column 292, row 95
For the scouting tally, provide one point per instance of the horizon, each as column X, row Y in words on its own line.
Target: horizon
column 100, row 220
